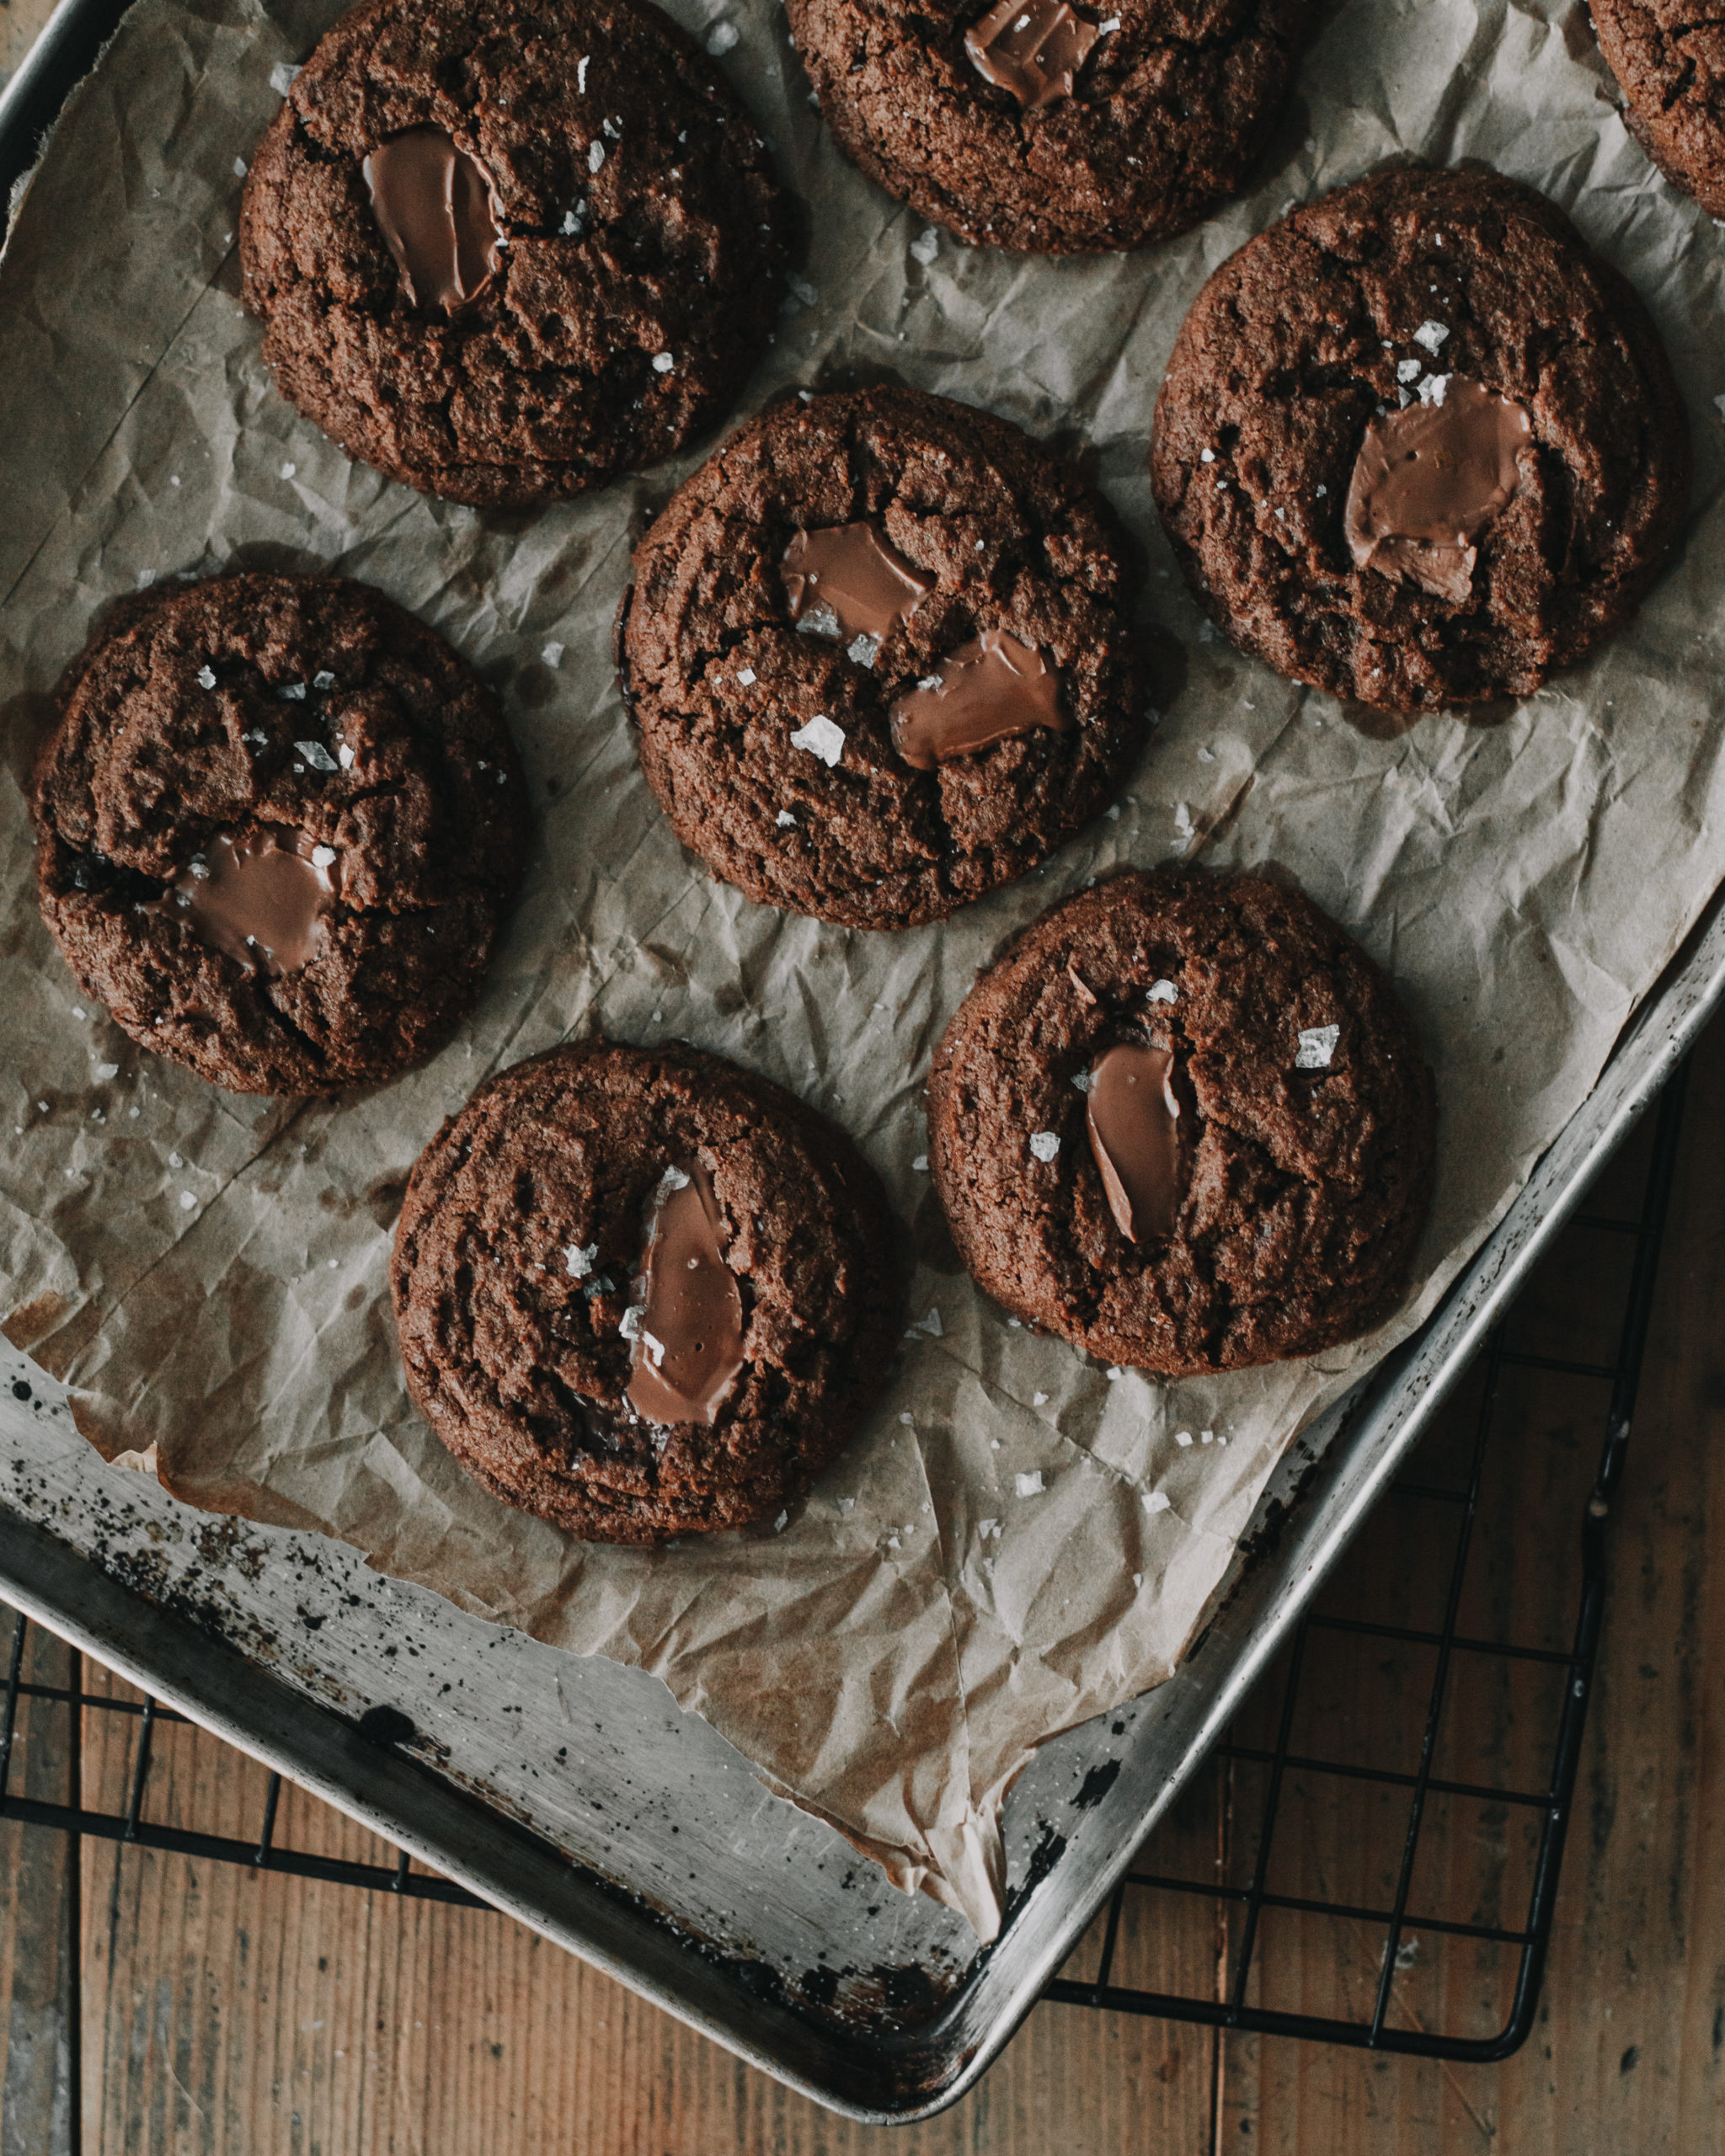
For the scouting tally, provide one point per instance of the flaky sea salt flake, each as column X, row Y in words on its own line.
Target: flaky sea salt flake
column 551, row 653
column 1162, row 991
column 925, row 247
column 1431, row 335
column 820, row 738
column 580, row 1261
column 1029, row 1485
column 1317, row 1045
column 316, row 755
column 1044, row 1144
column 1157, row 1501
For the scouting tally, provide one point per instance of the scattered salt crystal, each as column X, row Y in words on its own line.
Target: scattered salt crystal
column 239, row 168
column 1183, row 1436
column 985, row 1528
column 551, row 653
column 932, row 1325
column 778, row 1525
column 847, row 1504
column 146, row 579
column 745, row 676
column 820, row 738
column 1039, row 1400
column 104, row 1071
column 1044, row 1144
column 785, row 820
column 281, row 76
column 1206, row 1437
column 206, row 677
column 723, row 38
column 322, row 856
column 1029, row 1485
column 925, row 249
column 186, row 1201
column 1183, row 820
column 892, row 1542
column 1157, row 1501
column 1205, row 756
column 1206, row 456
column 1317, row 1045
column 595, row 155
column 629, row 1325
column 1433, row 388
column 581, row 66
column 346, row 756
column 1407, row 371
column 907, row 1417
column 1114, row 1373
column 288, row 471
column 79, row 1011
column 316, row 755
column 863, row 648
column 1322, row 492
column 920, row 1164
column 808, row 294
column 1431, row 335
column 580, row 1261
column 663, row 363
column 1163, row 991
column 1082, row 1080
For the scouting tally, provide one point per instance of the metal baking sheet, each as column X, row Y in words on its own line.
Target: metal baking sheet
column 575, row 1796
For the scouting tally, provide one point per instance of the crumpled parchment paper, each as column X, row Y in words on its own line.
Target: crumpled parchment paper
column 1019, row 1539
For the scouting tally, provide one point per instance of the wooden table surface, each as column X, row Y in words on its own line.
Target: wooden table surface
column 212, row 2010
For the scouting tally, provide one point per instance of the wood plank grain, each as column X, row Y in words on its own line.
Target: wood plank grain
column 39, row 2112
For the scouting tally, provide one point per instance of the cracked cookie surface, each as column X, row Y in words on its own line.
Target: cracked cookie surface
column 640, row 232
column 514, row 1272
column 1173, row 104
column 297, row 716
column 1354, row 307
column 1307, row 1157
column 724, row 682
column 1669, row 56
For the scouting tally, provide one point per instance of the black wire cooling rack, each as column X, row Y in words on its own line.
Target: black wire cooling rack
column 1292, row 1737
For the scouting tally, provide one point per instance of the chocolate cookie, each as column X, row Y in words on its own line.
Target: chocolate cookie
column 641, row 1292
column 1185, row 1124
column 880, row 653
column 1028, row 125
column 1417, row 444
column 277, row 829
column 507, row 248
column 1669, row 56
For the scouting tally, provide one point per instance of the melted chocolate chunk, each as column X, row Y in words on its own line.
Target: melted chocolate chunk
column 1136, row 1133
column 1032, row 48
column 1427, row 479
column 261, row 899
column 689, row 1346
column 436, row 207
column 989, row 691
column 854, row 574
